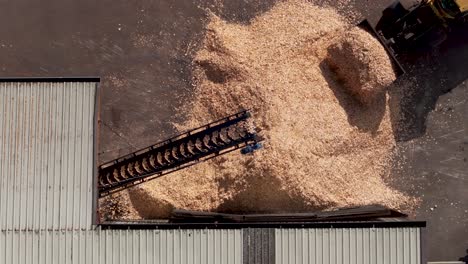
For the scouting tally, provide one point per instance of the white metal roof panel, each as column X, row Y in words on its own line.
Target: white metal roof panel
column 46, row 150
column 122, row 246
column 348, row 245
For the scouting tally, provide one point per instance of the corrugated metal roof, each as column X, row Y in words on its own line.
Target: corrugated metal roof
column 350, row 246
column 46, row 150
column 213, row 246
column 122, row 246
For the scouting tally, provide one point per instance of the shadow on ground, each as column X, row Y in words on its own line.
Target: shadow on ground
column 428, row 77
column 367, row 118
column 262, row 194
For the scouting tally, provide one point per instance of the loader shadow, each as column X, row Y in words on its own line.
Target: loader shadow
column 414, row 95
column 465, row 258
column 427, row 78
column 366, row 118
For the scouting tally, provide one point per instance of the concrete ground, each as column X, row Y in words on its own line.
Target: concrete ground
column 142, row 50
column 434, row 146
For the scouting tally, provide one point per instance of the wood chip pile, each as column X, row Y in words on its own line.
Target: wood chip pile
column 357, row 62
column 324, row 149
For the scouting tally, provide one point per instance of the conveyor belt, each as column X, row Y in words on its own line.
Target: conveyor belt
column 203, row 143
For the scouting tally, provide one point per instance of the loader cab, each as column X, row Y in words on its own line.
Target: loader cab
column 410, row 32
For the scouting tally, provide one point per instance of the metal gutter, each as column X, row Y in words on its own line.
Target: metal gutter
column 51, row 79
column 364, row 224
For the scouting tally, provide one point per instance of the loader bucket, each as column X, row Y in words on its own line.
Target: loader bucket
column 371, row 30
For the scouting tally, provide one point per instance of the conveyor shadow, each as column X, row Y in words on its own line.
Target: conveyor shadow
column 149, row 206
column 264, row 193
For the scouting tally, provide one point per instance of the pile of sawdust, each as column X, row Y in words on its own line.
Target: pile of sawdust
column 357, row 63
column 323, row 149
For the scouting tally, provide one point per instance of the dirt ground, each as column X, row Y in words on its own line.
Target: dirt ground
column 142, row 51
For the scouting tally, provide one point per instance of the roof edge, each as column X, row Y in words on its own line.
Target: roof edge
column 51, row 79
column 369, row 224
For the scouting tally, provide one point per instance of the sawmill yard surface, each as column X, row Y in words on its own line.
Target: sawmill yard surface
column 328, row 128
column 144, row 50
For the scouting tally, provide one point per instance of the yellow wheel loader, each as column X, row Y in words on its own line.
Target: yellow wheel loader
column 421, row 27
